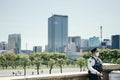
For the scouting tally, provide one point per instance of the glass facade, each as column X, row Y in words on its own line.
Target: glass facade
column 94, row 42
column 14, row 43
column 57, row 33
column 116, row 42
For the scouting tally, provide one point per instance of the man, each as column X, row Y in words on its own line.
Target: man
column 95, row 66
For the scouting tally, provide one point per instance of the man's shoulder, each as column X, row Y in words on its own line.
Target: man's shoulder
column 91, row 58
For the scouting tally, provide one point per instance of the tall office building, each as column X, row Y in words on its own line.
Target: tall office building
column 115, row 41
column 14, row 43
column 57, row 33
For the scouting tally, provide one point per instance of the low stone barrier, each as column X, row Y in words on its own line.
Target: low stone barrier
column 107, row 69
column 114, row 75
column 63, row 76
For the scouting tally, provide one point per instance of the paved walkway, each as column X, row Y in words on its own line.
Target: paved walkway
column 34, row 72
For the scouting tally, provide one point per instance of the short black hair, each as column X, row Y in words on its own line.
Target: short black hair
column 94, row 50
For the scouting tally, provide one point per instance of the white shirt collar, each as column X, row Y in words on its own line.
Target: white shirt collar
column 95, row 57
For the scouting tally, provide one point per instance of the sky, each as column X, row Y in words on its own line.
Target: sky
column 30, row 19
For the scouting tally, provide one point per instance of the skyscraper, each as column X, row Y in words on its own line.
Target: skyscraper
column 115, row 41
column 14, row 43
column 57, row 33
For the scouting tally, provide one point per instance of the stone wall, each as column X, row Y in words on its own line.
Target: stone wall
column 107, row 68
column 114, row 75
column 63, row 76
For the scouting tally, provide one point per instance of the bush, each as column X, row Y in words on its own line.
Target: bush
column 106, row 55
column 118, row 61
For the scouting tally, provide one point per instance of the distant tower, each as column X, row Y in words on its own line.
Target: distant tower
column 101, row 35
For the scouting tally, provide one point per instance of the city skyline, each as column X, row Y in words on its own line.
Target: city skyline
column 29, row 18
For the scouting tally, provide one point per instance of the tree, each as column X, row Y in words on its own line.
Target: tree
column 24, row 61
column 68, row 62
column 109, row 56
column 52, row 58
column 51, row 64
column 2, row 61
column 87, row 55
column 10, row 59
column 45, row 57
column 31, row 57
column 60, row 60
column 106, row 55
column 37, row 61
column 118, row 61
column 17, row 61
column 81, row 62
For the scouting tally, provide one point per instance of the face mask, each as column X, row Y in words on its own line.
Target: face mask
column 97, row 54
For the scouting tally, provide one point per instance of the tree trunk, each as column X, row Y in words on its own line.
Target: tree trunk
column 47, row 65
column 24, row 71
column 12, row 67
column 6, row 66
column 38, row 69
column 80, row 68
column 2, row 67
column 15, row 66
column 60, row 68
column 50, row 69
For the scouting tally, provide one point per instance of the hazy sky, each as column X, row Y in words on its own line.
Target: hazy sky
column 30, row 18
